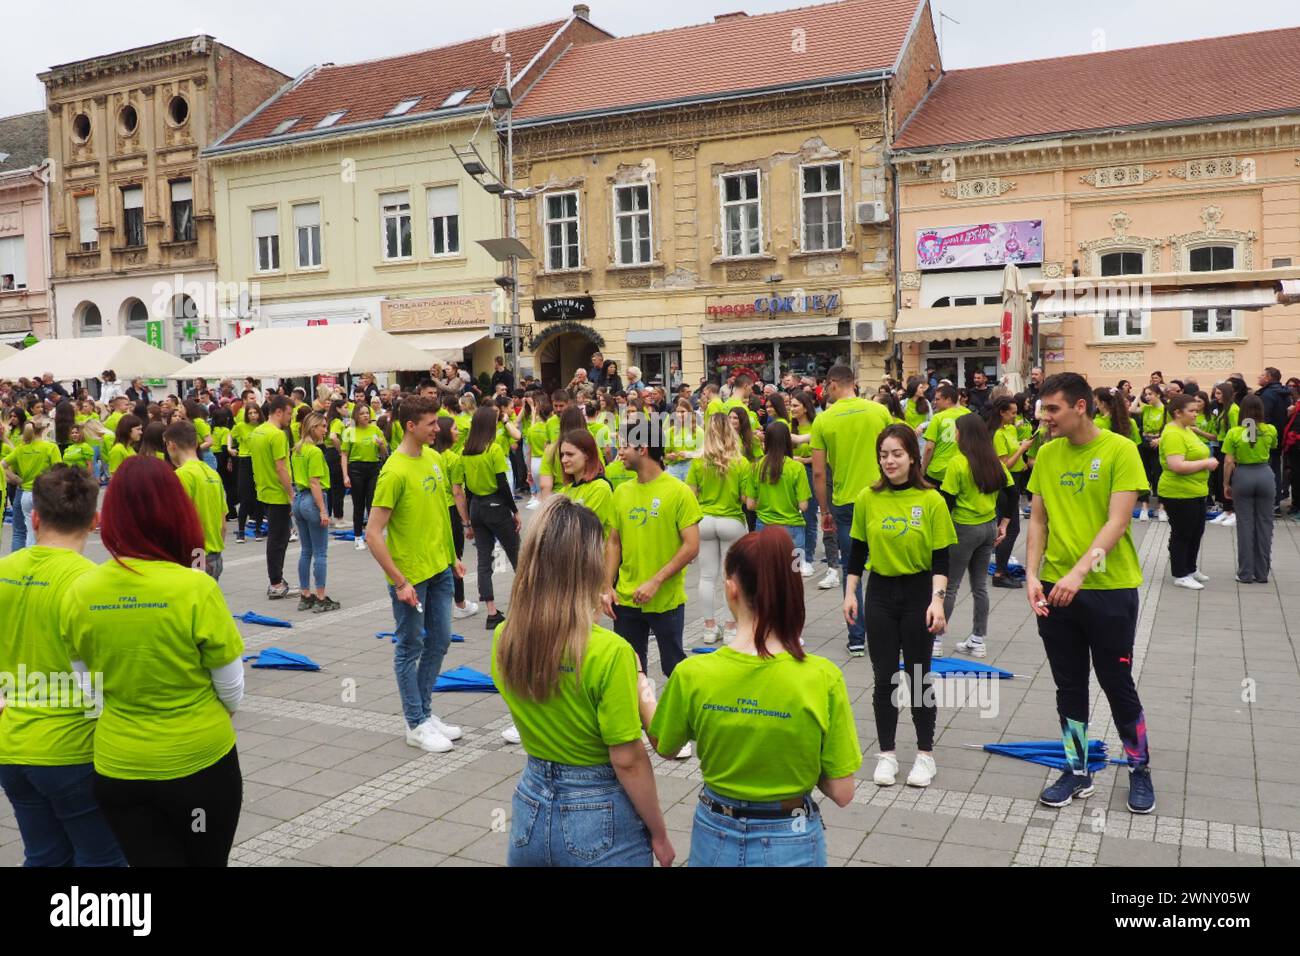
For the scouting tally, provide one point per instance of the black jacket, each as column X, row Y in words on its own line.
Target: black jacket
column 1276, row 398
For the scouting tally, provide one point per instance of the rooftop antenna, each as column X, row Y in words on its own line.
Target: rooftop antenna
column 943, row 16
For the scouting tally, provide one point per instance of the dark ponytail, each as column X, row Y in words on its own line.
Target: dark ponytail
column 762, row 565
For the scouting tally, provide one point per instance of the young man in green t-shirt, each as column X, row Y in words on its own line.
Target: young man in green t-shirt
column 1082, row 576
column 205, row 489
column 941, row 434
column 418, row 557
column 270, row 444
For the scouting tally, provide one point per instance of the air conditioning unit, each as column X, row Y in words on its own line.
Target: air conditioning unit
column 871, row 213
column 872, row 330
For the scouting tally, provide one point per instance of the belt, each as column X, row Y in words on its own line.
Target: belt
column 794, row 807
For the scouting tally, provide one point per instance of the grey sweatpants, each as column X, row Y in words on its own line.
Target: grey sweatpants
column 1253, row 488
column 970, row 555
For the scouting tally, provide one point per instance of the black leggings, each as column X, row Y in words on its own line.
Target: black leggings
column 189, row 821
column 1186, row 526
column 363, row 475
column 1002, row 553
column 249, row 506
column 334, row 462
column 492, row 521
column 230, row 481
column 894, row 616
column 458, row 537
column 1151, row 464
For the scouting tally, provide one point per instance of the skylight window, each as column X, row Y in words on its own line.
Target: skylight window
column 457, row 98
column 331, row 119
column 285, row 126
column 404, row 106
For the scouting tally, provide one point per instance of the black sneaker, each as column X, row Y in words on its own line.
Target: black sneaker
column 1006, row 581
column 326, row 604
column 1141, row 794
column 493, row 620
column 276, row 592
column 240, row 539
column 857, row 650
column 306, row 602
column 1069, row 786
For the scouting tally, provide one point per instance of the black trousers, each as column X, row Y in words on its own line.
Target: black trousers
column 492, row 521
column 1186, row 526
column 894, row 616
column 279, row 519
column 1151, row 464
column 249, row 506
column 635, row 626
column 363, row 475
column 458, row 536
column 189, row 821
column 230, row 481
column 1293, row 457
column 1002, row 553
column 335, row 495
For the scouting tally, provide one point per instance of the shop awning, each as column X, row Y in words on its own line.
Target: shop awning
column 952, row 322
column 717, row 333
column 444, row 346
column 1157, row 300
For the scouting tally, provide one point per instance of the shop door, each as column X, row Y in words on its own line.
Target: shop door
column 988, row 364
column 656, row 364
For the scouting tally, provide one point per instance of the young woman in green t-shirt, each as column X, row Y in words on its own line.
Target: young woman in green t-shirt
column 335, row 421
column 1152, row 416
column 1010, row 449
column 241, row 446
column 1185, row 463
column 363, row 444
column 587, row 795
column 718, row 478
column 444, row 441
column 778, row 491
column 493, row 514
column 750, row 446
column 311, row 482
column 1250, row 484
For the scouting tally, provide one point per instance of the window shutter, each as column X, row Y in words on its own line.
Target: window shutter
column 266, row 222
column 182, row 190
column 306, row 215
column 86, row 219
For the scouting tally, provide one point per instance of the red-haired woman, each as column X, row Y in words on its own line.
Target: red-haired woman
column 584, row 476
column 771, row 722
column 168, row 651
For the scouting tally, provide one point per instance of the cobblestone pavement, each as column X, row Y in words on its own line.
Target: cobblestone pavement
column 330, row 781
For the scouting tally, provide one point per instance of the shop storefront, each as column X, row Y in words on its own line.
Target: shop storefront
column 450, row 328
column 799, row 333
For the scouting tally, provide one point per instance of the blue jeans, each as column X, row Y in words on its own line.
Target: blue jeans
column 312, row 538
column 718, row 840
column 563, row 815
column 210, row 459
column 811, row 528
column 796, row 532
column 22, row 509
column 843, row 515
column 58, row 817
column 678, row 469
column 422, row 642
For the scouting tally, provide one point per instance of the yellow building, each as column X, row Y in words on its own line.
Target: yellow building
column 340, row 199
column 700, row 212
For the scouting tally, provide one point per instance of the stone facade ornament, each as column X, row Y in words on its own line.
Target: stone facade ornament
column 1211, row 216
column 1108, row 177
column 1119, row 241
column 1211, row 359
column 1216, row 167
column 992, row 187
column 1122, row 361
column 910, row 280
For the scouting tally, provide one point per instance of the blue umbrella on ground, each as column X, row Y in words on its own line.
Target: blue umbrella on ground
column 465, row 679
column 276, row 658
column 703, row 650
column 343, row 535
column 455, row 638
column 956, row 667
column 1050, row 753
column 252, row 617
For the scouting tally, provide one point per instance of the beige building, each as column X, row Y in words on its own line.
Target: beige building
column 698, row 213
column 131, row 207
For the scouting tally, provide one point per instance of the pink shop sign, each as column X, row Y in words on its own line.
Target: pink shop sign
column 986, row 244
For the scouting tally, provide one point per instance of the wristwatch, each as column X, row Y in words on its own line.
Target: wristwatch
column 941, row 592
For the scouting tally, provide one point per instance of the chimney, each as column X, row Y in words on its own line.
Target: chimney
column 582, row 11
column 738, row 15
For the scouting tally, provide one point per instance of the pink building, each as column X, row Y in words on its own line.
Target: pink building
column 24, row 228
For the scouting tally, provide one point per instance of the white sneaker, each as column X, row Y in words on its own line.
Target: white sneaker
column 1231, row 520
column 1144, row 515
column 685, row 752
column 938, row 647
column 1190, row 583
column 360, row 545
column 426, row 738
column 534, row 504
column 923, row 771
column 450, row 731
column 1221, row 517
column 293, row 535
column 511, row 735
column 712, row 634
column 469, row 610
column 339, row 524
column 1201, row 578
column 974, row 646
column 805, row 569
column 1161, row 516
column 886, row 770
column 832, row 580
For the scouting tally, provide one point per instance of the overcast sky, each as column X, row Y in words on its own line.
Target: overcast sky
column 293, row 36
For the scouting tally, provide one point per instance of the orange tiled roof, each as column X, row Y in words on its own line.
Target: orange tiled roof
column 731, row 55
column 1153, row 85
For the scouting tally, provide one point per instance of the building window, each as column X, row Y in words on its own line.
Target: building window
column 396, row 209
column 133, row 215
column 404, row 106
column 306, row 227
column 137, row 321
column 442, row 204
column 266, row 236
column 127, row 120
column 823, row 207
column 330, row 119
column 632, row 224
column 1212, row 322
column 741, row 214
column 1121, row 324
column 562, row 224
column 455, row 99
column 87, row 223
column 284, row 126
column 1121, row 264
column 13, row 264
column 90, row 325
column 178, row 110
column 1212, row 258
column 182, row 210
column 80, row 128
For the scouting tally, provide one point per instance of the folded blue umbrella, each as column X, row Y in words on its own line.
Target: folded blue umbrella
column 276, row 658
column 343, row 535
column 455, row 638
column 1013, row 570
column 252, row 617
column 1050, row 753
column 467, row 679
column 703, row 650
column 954, row 666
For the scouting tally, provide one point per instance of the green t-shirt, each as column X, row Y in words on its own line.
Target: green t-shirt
column 30, row 460
column 902, row 528
column 205, row 489
column 481, row 470
column 616, row 474
column 766, row 729
column 455, row 473
column 1076, row 483
column 911, row 416
column 79, row 455
column 362, row 444
column 1103, row 422
column 601, row 435
column 44, row 728
column 536, row 436
column 779, row 503
column 942, row 433
column 718, row 406
column 336, row 431
column 219, row 436
column 804, row 451
column 598, row 495
column 270, row 444
column 973, row 506
column 154, row 629
column 241, row 434
column 1176, row 440
column 1237, row 444
column 847, row 433
column 202, row 430
column 110, row 429
column 462, row 431
column 307, row 464
column 1154, row 419
column 416, row 490
column 116, row 455
column 720, row 495
column 593, row 707
column 679, row 441
column 649, row 517
column 1006, row 441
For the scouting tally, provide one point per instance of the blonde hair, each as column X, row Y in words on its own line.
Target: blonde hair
column 35, row 428
column 468, row 403
column 309, row 421
column 721, row 446
column 551, row 616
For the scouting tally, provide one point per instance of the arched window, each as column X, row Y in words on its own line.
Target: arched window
column 135, row 319
column 90, row 325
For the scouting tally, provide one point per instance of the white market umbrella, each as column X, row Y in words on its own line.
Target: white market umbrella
column 67, row 359
column 1016, row 340
column 310, row 350
column 6, row 351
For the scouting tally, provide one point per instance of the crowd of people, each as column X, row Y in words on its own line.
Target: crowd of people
column 909, row 492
